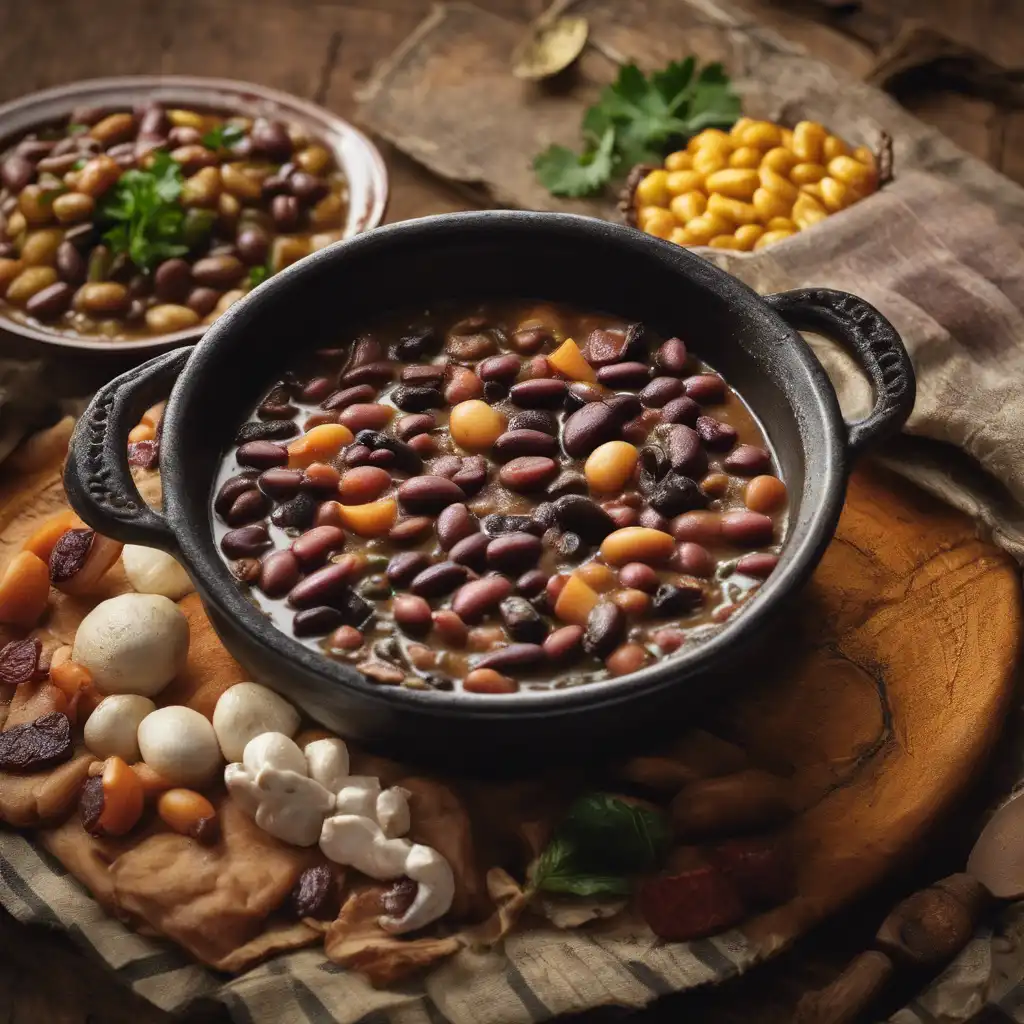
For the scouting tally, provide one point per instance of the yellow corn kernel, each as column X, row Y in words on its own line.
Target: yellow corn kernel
column 833, row 147
column 775, row 182
column 742, row 123
column 779, row 159
column 734, row 182
column 787, row 138
column 809, row 141
column 806, row 174
column 679, row 182
column 707, row 160
column 761, row 135
column 745, row 156
column 771, row 204
column 680, row 160
column 662, row 225
column 811, row 190
column 747, row 234
column 724, row 242
column 780, row 224
column 852, row 172
column 712, row 136
column 645, row 213
column 732, row 210
column 688, row 205
column 770, row 238
column 702, row 229
column 186, row 119
column 835, row 195
column 864, row 155
column 807, row 211
column 653, row 189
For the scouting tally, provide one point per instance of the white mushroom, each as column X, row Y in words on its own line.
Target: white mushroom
column 359, row 796
column 247, row 710
column 133, row 643
column 360, row 843
column 152, row 571
column 180, row 744
column 393, row 811
column 112, row 729
column 327, row 762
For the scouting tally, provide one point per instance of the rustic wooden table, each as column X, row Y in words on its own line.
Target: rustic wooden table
column 324, row 50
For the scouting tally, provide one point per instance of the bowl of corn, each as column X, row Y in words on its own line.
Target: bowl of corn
column 752, row 186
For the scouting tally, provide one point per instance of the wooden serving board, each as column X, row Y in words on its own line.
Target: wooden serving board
column 893, row 677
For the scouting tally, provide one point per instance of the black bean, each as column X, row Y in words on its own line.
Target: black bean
column 271, row 139
column 569, row 545
column 596, row 423
column 545, row 514
column 71, row 264
column 81, row 235
column 540, row 393
column 269, row 430
column 606, row 629
column 495, row 392
column 534, row 419
column 317, row 621
column 417, row 346
column 677, row 598
column 286, row 212
column 522, row 621
column 439, row 579
column 417, row 399
column 231, row 489
column 298, row 512
column 583, row 516
column 50, row 302
column 406, row 459
column 246, row 542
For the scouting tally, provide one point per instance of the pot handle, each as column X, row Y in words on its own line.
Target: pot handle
column 872, row 340
column 97, row 479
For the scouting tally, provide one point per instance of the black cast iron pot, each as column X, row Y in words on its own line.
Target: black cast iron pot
column 591, row 264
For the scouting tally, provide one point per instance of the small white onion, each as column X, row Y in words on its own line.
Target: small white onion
column 112, row 729
column 247, row 710
column 180, row 744
column 152, row 571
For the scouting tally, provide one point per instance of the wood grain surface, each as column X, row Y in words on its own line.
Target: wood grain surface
column 324, row 51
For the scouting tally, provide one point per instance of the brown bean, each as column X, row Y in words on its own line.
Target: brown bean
column 429, row 494
column 252, row 244
column 564, row 645
column 514, row 551
column 671, row 357
column 606, row 629
column 701, row 527
column 321, row 587
column 218, row 271
column 450, row 628
column 540, row 393
column 164, row 319
column 530, row 473
column 363, row 484
column 307, row 188
column 626, row 659
column 692, row 559
column 653, row 520
column 70, row 263
column 439, row 579
column 715, row 485
column 262, row 454
column 318, row 621
column 635, row 603
column 503, row 368
column 366, row 417
column 765, row 494
column 488, row 680
column 747, row 529
column 280, row 482
column 514, row 444
column 271, row 139
column 16, row 172
column 172, row 280
column 113, row 128
column 463, row 386
column 73, row 207
column 455, row 523
column 532, row 583
column 246, row 508
column 638, row 576
column 470, row 347
column 411, row 530
column 412, row 614
column 203, row 301
column 246, row 542
column 514, row 658
column 313, row 547
column 471, row 551
column 684, row 449
column 760, row 564
column 405, row 566
column 101, row 297
column 660, row 391
column 680, row 410
column 231, row 489
column 416, row 423
column 747, row 460
column 624, row 375
column 318, row 476
column 51, row 302
column 375, row 374
column 98, row 175
column 349, row 396
column 423, row 445
column 286, row 212
column 279, row 572
column 474, row 600
column 716, row 435
column 529, row 340
column 345, row 638
column 538, row 367
column 184, row 135
column 706, row 388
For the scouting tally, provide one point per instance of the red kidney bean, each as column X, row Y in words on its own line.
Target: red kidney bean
column 172, row 280
column 423, row 445
column 564, row 645
column 472, row 474
column 253, row 244
column 202, row 301
column 381, row 457
column 375, row 374
column 716, row 435
column 747, row 460
column 439, row 579
column 471, row 551
column 514, row 444
column 669, row 640
column 286, row 212
column 71, row 264
column 661, row 391
column 538, row 367
column 626, row 659
column 500, row 368
column 513, row 658
column 539, row 393
column 474, row 600
column 313, row 547
column 50, row 302
column 363, row 484
column 747, row 529
column 366, row 417
column 623, row 516
column 514, row 551
column 247, row 508
column 321, row 587
column 428, row 375
column 455, row 523
column 534, row 419
column 261, row 454
column 231, row 489
column 246, row 542
column 530, row 340
column 318, row 476
column 671, row 357
column 450, row 628
column 411, row 530
column 701, row 527
column 416, row 423
column 446, row 466
column 624, row 375
column 522, row 621
column 316, row 389
column 317, row 621
column 653, row 520
column 307, row 188
column 280, row 482
column 692, row 559
column 345, row 638
column 680, row 410
column 349, row 396
column 638, row 576
column 761, row 564
column 468, row 348
column 405, row 566
column 278, row 573
column 429, row 494
column 685, row 452
column 532, row 583
column 530, row 473
column 271, row 139
column 591, row 426
column 706, row 388
column 463, row 386
column 554, row 587
column 356, row 454
column 412, row 614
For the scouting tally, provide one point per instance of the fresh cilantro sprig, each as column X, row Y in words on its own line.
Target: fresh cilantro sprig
column 637, row 119
column 224, row 136
column 257, row 275
column 143, row 216
column 602, row 842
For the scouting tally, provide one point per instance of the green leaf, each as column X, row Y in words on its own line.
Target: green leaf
column 257, row 275
column 588, row 885
column 564, row 173
column 629, row 837
column 224, row 136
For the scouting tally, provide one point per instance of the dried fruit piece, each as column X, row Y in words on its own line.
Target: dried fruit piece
column 24, row 590
column 80, row 558
column 41, row 542
column 19, row 661
column 189, row 813
column 90, row 804
column 315, row 894
column 36, row 746
column 694, row 903
column 123, row 799
column 69, row 554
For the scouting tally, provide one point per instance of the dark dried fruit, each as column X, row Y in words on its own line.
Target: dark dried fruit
column 522, row 621
column 298, row 512
column 90, row 805
column 36, row 746
column 414, row 347
column 606, row 629
column 701, row 901
column 315, row 894
column 497, row 524
column 584, row 517
column 676, row 599
column 206, row 831
column 144, row 454
column 406, row 459
column 397, row 899
column 19, row 661
column 677, row 494
column 69, row 554
column 267, row 430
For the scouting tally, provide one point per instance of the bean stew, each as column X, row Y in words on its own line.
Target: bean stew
column 128, row 224
column 513, row 496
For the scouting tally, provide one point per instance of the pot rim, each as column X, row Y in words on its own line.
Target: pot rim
column 358, row 158
column 796, row 564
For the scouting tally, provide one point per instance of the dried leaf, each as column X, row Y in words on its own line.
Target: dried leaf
column 550, row 48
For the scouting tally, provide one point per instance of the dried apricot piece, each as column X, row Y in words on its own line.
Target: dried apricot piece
column 24, row 590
